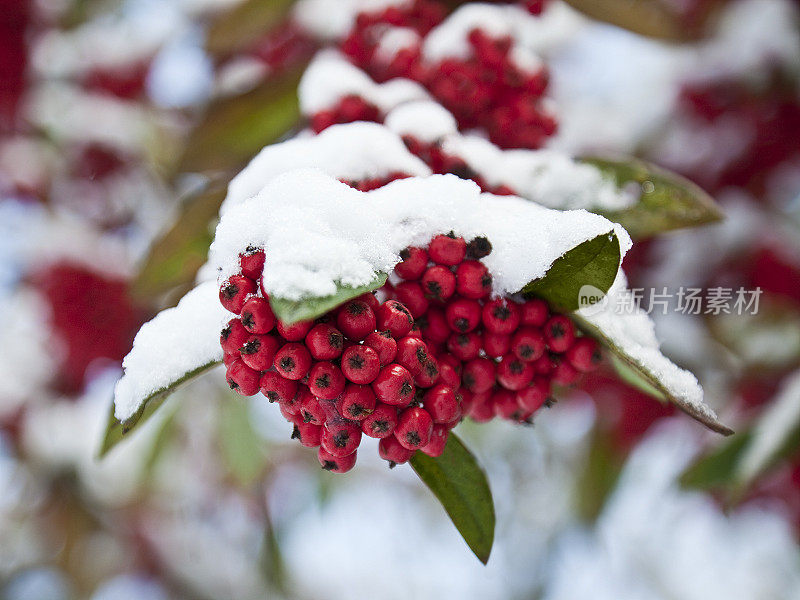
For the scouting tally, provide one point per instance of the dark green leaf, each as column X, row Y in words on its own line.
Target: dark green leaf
column 598, row 477
column 236, row 128
column 460, row 484
column 241, row 446
column 173, row 260
column 653, row 18
column 666, row 201
column 291, row 311
column 717, row 469
column 244, row 24
column 116, row 430
column 651, row 378
column 593, row 263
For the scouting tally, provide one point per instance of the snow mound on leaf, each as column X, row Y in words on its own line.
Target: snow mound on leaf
column 331, row 77
column 175, row 342
column 319, row 233
column 350, row 152
column 548, row 177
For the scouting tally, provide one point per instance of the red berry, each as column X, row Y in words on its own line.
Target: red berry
column 325, row 380
column 325, row 342
column 233, row 336
column 559, row 333
column 463, row 314
column 257, row 315
column 292, row 406
column 412, row 353
column 500, row 316
column 534, row 313
column 473, row 279
column 292, row 361
column 336, row 464
column 252, row 263
column 513, row 373
column 384, row 344
column 433, row 325
column 414, row 428
column 480, row 246
column 482, row 409
column 296, row 331
column 234, row 292
column 478, row 375
column 228, row 358
column 341, row 437
column 389, row 448
column 438, row 283
column 544, row 365
column 290, row 416
column 584, row 354
column 447, row 250
column 435, row 446
column 370, row 299
column 528, row 344
column 394, row 385
column 395, row 318
column 565, row 373
column 464, row 346
column 411, row 294
column 357, row 402
column 440, row 401
column 429, row 373
column 496, row 344
column 360, row 364
column 534, row 396
column 311, row 410
column 504, row 403
column 242, row 378
column 307, row 434
column 356, row 320
column 381, row 422
column 276, row 388
column 413, row 264
column 258, row 351
column 449, row 376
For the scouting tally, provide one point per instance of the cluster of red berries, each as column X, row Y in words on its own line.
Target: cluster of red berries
column 488, row 90
column 504, row 354
column 405, row 370
column 360, row 369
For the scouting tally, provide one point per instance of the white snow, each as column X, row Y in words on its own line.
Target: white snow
column 772, row 430
column 174, row 342
column 351, row 152
column 331, row 77
column 632, row 331
column 318, row 231
column 332, row 19
column 547, row 177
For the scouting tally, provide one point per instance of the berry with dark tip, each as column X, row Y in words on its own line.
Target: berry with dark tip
column 251, row 262
column 276, row 388
column 234, row 291
column 381, row 422
column 311, row 410
column 464, row 346
column 433, row 325
column 438, row 283
column 325, row 380
column 394, row 385
column 411, row 294
column 355, row 320
column 513, row 373
column 500, row 316
column 528, row 344
column 412, row 353
column 242, row 378
column 478, row 375
column 534, row 313
column 447, row 250
column 258, row 352
column 441, row 403
column 336, row 464
column 384, row 344
column 429, row 373
column 357, row 402
column 479, row 247
column 414, row 428
column 463, row 314
column 360, row 364
column 532, row 397
column 257, row 316
column 565, row 373
column 340, row 437
column 413, row 265
column 307, row 434
column 559, row 332
column 233, row 336
column 496, row 344
column 390, row 449
column 395, row 318
column 584, row 355
column 473, row 279
column 325, row 342
column 292, row 361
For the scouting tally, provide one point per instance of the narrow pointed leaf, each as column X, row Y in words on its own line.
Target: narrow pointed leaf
column 241, row 446
column 666, row 201
column 594, row 263
column 460, row 484
column 291, row 311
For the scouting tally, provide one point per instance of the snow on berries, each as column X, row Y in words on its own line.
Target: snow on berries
column 405, row 368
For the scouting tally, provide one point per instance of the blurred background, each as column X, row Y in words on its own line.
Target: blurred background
column 121, row 122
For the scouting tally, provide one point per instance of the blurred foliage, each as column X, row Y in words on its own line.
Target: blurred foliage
column 244, row 24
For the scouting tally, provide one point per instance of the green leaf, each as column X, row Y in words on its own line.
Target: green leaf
column 244, row 24
column 173, row 260
column 291, row 311
column 716, row 469
column 116, row 430
column 653, row 18
column 593, row 263
column 236, row 128
column 460, row 484
column 634, row 379
column 241, row 446
column 666, row 201
column 650, row 378
column 599, row 474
